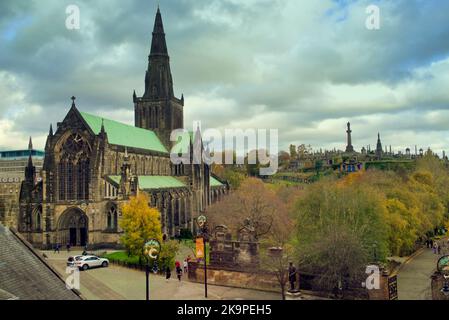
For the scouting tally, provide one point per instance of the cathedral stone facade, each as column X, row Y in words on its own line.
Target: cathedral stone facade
column 93, row 165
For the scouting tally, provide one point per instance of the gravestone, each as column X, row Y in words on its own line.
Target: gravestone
column 239, row 254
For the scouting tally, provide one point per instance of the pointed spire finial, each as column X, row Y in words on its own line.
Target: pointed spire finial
column 158, row 45
column 73, row 101
column 51, row 130
column 102, row 125
column 30, row 145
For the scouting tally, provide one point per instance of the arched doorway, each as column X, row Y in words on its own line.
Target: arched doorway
column 73, row 227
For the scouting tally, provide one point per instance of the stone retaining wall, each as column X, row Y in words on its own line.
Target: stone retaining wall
column 234, row 278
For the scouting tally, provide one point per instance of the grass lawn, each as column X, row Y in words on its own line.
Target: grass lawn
column 122, row 256
column 186, row 248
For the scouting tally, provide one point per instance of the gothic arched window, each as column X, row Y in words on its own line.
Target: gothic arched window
column 74, row 169
column 38, row 219
column 112, row 217
column 109, row 220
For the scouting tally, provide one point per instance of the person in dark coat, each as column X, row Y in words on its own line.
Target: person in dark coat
column 167, row 273
column 292, row 276
column 179, row 272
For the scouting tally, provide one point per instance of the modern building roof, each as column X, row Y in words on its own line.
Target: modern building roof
column 125, row 135
column 21, row 154
column 25, row 275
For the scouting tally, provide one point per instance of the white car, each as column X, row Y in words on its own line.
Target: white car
column 86, row 262
column 72, row 259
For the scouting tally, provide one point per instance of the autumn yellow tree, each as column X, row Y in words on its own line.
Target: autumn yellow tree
column 139, row 223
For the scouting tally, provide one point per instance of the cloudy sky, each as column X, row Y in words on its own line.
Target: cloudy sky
column 306, row 67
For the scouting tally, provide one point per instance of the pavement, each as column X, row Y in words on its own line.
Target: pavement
column 414, row 276
column 119, row 283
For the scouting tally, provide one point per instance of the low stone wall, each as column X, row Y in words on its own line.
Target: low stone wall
column 436, row 285
column 234, row 278
column 387, row 290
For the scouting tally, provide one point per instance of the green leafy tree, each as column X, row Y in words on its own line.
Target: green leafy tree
column 167, row 255
column 139, row 223
column 293, row 151
column 338, row 225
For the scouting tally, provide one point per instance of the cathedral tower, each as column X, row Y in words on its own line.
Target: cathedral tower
column 158, row 109
column 379, row 150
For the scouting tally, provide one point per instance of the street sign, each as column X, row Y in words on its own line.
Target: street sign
column 201, row 220
column 443, row 265
column 393, row 287
column 152, row 248
column 199, row 248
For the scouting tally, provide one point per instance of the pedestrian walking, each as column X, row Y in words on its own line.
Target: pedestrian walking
column 167, row 273
column 185, row 265
column 292, row 276
column 435, row 247
column 57, row 248
column 179, row 272
column 68, row 247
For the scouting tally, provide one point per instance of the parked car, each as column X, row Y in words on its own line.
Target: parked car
column 87, row 262
column 72, row 259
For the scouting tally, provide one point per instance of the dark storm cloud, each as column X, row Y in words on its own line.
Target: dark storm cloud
column 306, row 67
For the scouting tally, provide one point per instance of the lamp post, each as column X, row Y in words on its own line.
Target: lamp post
column 202, row 224
column 151, row 250
column 375, row 251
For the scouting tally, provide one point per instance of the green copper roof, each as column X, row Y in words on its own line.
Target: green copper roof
column 154, row 182
column 183, row 143
column 125, row 135
column 159, row 182
column 162, row 182
column 115, row 179
column 215, row 183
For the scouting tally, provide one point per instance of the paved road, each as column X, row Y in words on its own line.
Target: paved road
column 118, row 283
column 414, row 277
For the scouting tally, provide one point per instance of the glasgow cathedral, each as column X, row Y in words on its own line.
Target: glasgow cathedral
column 92, row 165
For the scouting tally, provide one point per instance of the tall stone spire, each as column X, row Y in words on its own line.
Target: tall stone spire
column 30, row 144
column 30, row 169
column 159, row 45
column 158, row 109
column 158, row 79
column 349, row 147
column 379, row 150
